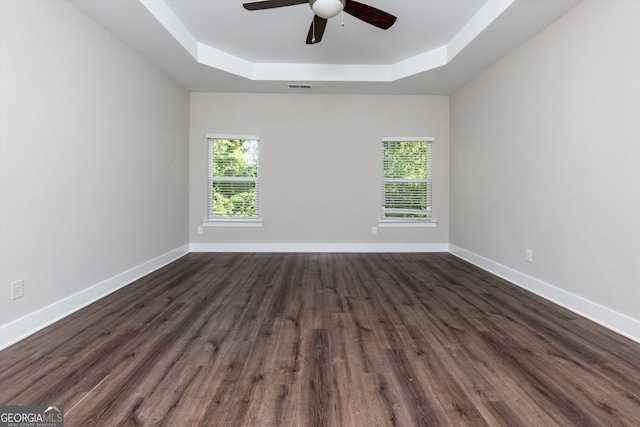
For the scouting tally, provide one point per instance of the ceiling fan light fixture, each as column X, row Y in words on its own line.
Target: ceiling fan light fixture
column 327, row 8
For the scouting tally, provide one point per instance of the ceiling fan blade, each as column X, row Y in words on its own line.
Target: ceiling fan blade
column 369, row 14
column 316, row 30
column 270, row 4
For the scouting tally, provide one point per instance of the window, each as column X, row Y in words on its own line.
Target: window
column 406, row 180
column 233, row 178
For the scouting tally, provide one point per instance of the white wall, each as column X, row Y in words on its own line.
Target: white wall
column 544, row 154
column 94, row 157
column 320, row 167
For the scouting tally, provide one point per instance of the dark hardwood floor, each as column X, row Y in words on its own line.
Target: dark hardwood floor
column 326, row 340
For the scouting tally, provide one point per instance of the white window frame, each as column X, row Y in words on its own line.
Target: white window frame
column 212, row 221
column 399, row 222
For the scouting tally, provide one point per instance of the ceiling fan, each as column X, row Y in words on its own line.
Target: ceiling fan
column 325, row 9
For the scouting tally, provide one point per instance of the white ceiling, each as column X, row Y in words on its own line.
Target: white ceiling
column 434, row 47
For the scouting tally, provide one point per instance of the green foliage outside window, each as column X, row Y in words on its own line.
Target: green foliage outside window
column 234, row 177
column 406, row 160
column 406, row 179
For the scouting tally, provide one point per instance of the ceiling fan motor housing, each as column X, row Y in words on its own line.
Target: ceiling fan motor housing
column 327, row 8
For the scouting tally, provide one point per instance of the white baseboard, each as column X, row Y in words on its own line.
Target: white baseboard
column 617, row 322
column 320, row 247
column 21, row 328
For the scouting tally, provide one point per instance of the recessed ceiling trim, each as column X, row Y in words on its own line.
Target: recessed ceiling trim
column 417, row 64
column 323, row 72
column 165, row 16
column 476, row 25
column 215, row 58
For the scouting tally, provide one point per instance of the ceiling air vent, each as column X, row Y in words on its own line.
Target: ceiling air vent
column 303, row 86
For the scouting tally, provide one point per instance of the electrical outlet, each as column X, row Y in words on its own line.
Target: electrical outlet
column 200, row 230
column 374, row 230
column 528, row 255
column 17, row 289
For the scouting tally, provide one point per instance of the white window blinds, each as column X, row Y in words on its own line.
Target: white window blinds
column 406, row 182
column 233, row 177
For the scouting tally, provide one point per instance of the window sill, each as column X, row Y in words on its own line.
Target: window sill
column 393, row 223
column 232, row 222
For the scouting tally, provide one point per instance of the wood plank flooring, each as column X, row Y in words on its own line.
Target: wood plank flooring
column 326, row 340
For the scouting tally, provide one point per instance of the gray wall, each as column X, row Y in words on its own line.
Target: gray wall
column 544, row 155
column 320, row 164
column 94, row 156
column 101, row 171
